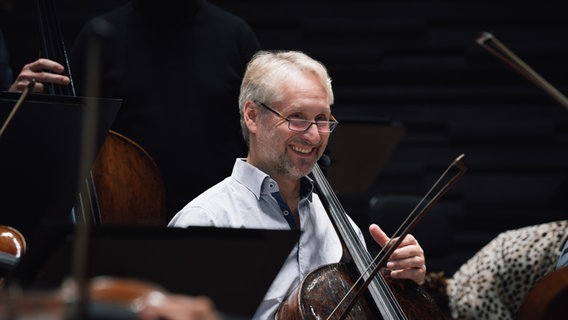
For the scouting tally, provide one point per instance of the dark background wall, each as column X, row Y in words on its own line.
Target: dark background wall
column 417, row 63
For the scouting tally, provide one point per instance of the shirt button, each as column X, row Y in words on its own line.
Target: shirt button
column 285, row 212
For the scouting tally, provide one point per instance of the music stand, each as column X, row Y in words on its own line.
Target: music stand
column 234, row 267
column 40, row 156
column 359, row 149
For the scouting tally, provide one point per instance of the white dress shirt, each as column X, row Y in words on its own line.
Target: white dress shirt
column 249, row 199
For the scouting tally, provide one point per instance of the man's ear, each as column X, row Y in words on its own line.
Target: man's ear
column 250, row 113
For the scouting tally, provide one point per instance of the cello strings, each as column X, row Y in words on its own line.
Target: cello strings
column 349, row 237
column 353, row 248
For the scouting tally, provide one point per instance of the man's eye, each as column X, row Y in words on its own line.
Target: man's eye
column 296, row 116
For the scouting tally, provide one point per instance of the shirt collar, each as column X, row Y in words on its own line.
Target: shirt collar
column 256, row 180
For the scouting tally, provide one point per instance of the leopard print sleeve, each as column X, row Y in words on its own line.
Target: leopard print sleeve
column 493, row 283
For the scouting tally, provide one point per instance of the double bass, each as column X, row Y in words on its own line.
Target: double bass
column 335, row 291
column 124, row 185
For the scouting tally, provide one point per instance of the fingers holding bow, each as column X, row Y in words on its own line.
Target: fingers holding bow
column 407, row 261
column 44, row 71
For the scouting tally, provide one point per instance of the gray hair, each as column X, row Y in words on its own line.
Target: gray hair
column 267, row 70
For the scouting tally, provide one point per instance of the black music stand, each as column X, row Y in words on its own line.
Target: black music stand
column 359, row 149
column 234, row 267
column 40, row 156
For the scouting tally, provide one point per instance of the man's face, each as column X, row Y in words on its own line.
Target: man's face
column 284, row 152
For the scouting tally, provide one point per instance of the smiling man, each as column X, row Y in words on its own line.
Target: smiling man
column 285, row 106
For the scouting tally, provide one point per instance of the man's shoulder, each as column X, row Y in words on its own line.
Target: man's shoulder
column 213, row 207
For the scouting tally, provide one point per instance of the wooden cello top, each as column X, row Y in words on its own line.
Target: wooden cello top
column 548, row 298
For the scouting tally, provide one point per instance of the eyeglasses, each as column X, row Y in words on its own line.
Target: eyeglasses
column 302, row 125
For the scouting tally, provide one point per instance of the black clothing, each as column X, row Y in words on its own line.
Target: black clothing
column 179, row 73
column 5, row 69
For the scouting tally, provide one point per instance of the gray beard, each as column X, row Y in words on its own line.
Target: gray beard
column 285, row 166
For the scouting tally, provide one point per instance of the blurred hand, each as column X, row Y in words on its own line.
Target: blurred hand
column 178, row 307
column 43, row 71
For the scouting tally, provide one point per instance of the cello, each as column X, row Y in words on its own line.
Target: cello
column 547, row 299
column 334, row 291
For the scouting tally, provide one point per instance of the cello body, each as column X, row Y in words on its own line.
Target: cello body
column 548, row 299
column 320, row 291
